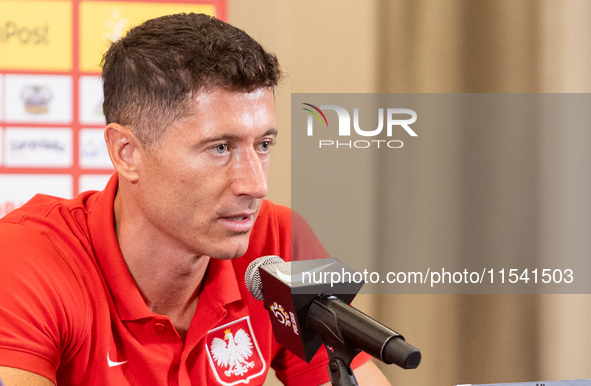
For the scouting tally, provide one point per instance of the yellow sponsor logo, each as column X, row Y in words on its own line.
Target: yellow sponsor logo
column 36, row 35
column 106, row 21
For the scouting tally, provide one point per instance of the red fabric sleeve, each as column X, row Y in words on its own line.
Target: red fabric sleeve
column 297, row 239
column 39, row 303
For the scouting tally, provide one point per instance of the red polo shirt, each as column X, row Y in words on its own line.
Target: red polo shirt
column 70, row 310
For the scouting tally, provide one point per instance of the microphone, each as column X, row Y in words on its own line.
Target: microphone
column 305, row 312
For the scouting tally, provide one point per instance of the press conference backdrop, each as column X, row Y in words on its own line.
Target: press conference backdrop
column 51, row 119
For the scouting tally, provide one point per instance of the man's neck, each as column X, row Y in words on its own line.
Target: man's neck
column 168, row 278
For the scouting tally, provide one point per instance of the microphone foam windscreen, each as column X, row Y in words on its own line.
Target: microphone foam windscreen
column 252, row 278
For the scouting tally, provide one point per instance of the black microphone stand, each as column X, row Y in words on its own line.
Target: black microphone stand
column 346, row 331
column 326, row 323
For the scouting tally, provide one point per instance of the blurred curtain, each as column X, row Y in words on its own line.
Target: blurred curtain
column 533, row 185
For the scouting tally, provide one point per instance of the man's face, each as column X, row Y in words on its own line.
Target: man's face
column 203, row 184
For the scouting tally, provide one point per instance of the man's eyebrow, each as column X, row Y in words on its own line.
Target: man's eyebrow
column 231, row 137
column 272, row 131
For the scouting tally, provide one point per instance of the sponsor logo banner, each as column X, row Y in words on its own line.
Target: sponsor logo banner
column 19, row 188
column 93, row 182
column 36, row 35
column 91, row 100
column 41, row 148
column 38, row 98
column 106, row 21
column 93, row 150
column 1, row 97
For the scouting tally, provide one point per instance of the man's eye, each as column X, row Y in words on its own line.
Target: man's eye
column 265, row 146
column 221, row 148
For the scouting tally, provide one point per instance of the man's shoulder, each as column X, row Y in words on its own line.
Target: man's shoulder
column 41, row 245
column 276, row 212
column 282, row 231
column 46, row 304
column 52, row 209
column 273, row 221
column 45, row 235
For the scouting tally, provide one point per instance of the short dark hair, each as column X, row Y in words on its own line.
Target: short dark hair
column 151, row 76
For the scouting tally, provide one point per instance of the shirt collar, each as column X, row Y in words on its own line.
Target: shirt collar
column 220, row 285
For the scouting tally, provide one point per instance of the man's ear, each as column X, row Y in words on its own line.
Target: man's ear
column 125, row 151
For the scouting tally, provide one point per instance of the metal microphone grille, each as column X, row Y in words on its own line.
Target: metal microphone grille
column 252, row 278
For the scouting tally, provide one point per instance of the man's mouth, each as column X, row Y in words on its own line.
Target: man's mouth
column 238, row 223
column 236, row 218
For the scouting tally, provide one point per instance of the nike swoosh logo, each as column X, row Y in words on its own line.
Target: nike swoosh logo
column 111, row 363
column 299, row 277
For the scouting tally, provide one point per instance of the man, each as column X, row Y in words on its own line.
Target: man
column 143, row 283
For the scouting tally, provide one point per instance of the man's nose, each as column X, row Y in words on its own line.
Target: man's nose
column 250, row 175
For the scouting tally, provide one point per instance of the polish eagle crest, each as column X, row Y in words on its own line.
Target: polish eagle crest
column 233, row 351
